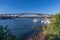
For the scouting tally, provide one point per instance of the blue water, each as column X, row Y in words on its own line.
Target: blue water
column 20, row 26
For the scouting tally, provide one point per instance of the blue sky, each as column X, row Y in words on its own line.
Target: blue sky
column 29, row 6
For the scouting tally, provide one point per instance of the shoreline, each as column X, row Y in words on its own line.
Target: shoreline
column 34, row 35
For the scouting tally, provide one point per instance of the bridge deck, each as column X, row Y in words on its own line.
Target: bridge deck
column 7, row 16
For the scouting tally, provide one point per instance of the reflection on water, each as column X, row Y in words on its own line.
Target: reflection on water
column 20, row 26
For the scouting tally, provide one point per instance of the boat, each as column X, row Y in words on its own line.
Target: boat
column 35, row 20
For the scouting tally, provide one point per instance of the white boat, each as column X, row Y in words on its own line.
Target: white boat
column 35, row 20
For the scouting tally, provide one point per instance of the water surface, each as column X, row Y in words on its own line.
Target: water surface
column 20, row 26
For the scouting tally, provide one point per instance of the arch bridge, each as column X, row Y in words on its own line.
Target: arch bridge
column 24, row 15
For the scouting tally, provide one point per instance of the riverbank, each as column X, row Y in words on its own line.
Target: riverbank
column 37, row 34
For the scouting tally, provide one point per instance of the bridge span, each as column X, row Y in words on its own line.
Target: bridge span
column 8, row 16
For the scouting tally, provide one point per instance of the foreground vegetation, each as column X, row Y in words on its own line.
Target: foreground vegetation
column 53, row 30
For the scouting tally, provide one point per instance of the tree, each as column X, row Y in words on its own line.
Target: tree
column 56, row 24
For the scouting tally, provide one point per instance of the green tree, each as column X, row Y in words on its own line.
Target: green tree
column 55, row 24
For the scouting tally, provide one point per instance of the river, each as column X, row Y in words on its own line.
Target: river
column 20, row 26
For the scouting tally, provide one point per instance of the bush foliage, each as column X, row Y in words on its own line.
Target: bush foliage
column 53, row 30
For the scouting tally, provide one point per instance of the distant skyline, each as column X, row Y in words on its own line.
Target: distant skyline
column 29, row 6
